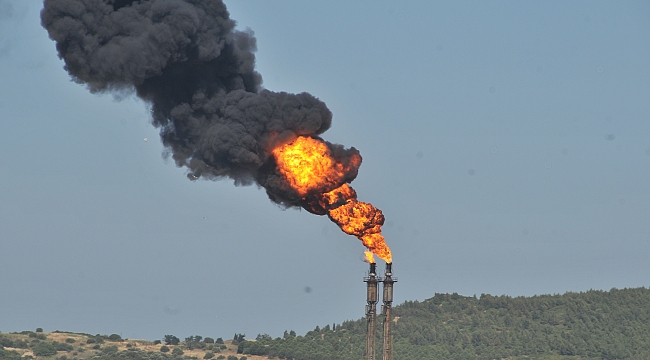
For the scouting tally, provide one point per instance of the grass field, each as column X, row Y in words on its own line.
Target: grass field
column 79, row 347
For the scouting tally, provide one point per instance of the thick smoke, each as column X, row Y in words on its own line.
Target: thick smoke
column 186, row 59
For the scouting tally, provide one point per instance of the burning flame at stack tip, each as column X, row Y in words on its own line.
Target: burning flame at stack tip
column 318, row 178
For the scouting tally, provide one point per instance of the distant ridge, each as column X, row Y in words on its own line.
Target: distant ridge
column 595, row 324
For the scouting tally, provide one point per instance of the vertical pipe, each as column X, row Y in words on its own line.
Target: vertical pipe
column 388, row 303
column 371, row 311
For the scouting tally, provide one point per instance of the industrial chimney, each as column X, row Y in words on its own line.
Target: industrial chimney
column 385, row 310
column 371, row 310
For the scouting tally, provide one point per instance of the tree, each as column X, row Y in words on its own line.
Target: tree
column 194, row 342
column 238, row 338
column 177, row 351
column 115, row 337
column 208, row 355
column 208, row 340
column 171, row 340
column 39, row 329
column 97, row 339
column 44, row 349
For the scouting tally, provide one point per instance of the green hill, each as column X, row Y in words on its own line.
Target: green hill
column 611, row 324
column 591, row 325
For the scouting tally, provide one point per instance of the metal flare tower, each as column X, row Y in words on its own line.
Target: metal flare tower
column 371, row 310
column 385, row 310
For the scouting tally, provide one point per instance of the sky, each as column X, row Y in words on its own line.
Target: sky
column 507, row 143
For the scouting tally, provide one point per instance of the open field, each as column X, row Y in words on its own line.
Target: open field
column 78, row 346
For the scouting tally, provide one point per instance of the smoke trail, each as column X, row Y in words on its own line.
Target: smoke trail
column 185, row 58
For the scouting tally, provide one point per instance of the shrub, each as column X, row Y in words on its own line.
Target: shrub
column 232, row 357
column 70, row 340
column 96, row 347
column 208, row 355
column 177, row 351
column 110, row 349
column 44, row 349
column 21, row 344
column 90, row 341
column 62, row 346
column 39, row 329
column 219, row 341
column 208, row 340
column 9, row 354
column 6, row 342
column 220, row 357
column 115, row 337
column 164, row 348
column 156, row 342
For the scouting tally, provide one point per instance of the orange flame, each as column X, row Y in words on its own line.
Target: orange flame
column 310, row 169
column 370, row 258
column 308, row 165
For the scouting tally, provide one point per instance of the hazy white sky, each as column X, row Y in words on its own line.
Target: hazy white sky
column 508, row 144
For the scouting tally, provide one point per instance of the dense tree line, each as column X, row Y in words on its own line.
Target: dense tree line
column 591, row 325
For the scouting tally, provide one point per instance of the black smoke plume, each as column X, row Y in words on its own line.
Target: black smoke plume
column 186, row 59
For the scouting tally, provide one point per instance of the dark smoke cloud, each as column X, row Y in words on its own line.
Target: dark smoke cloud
column 185, row 58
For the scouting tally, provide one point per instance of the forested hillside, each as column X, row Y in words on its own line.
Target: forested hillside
column 611, row 324
column 590, row 325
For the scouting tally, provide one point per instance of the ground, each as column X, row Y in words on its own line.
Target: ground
column 82, row 350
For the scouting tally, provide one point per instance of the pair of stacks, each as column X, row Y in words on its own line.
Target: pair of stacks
column 371, row 310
